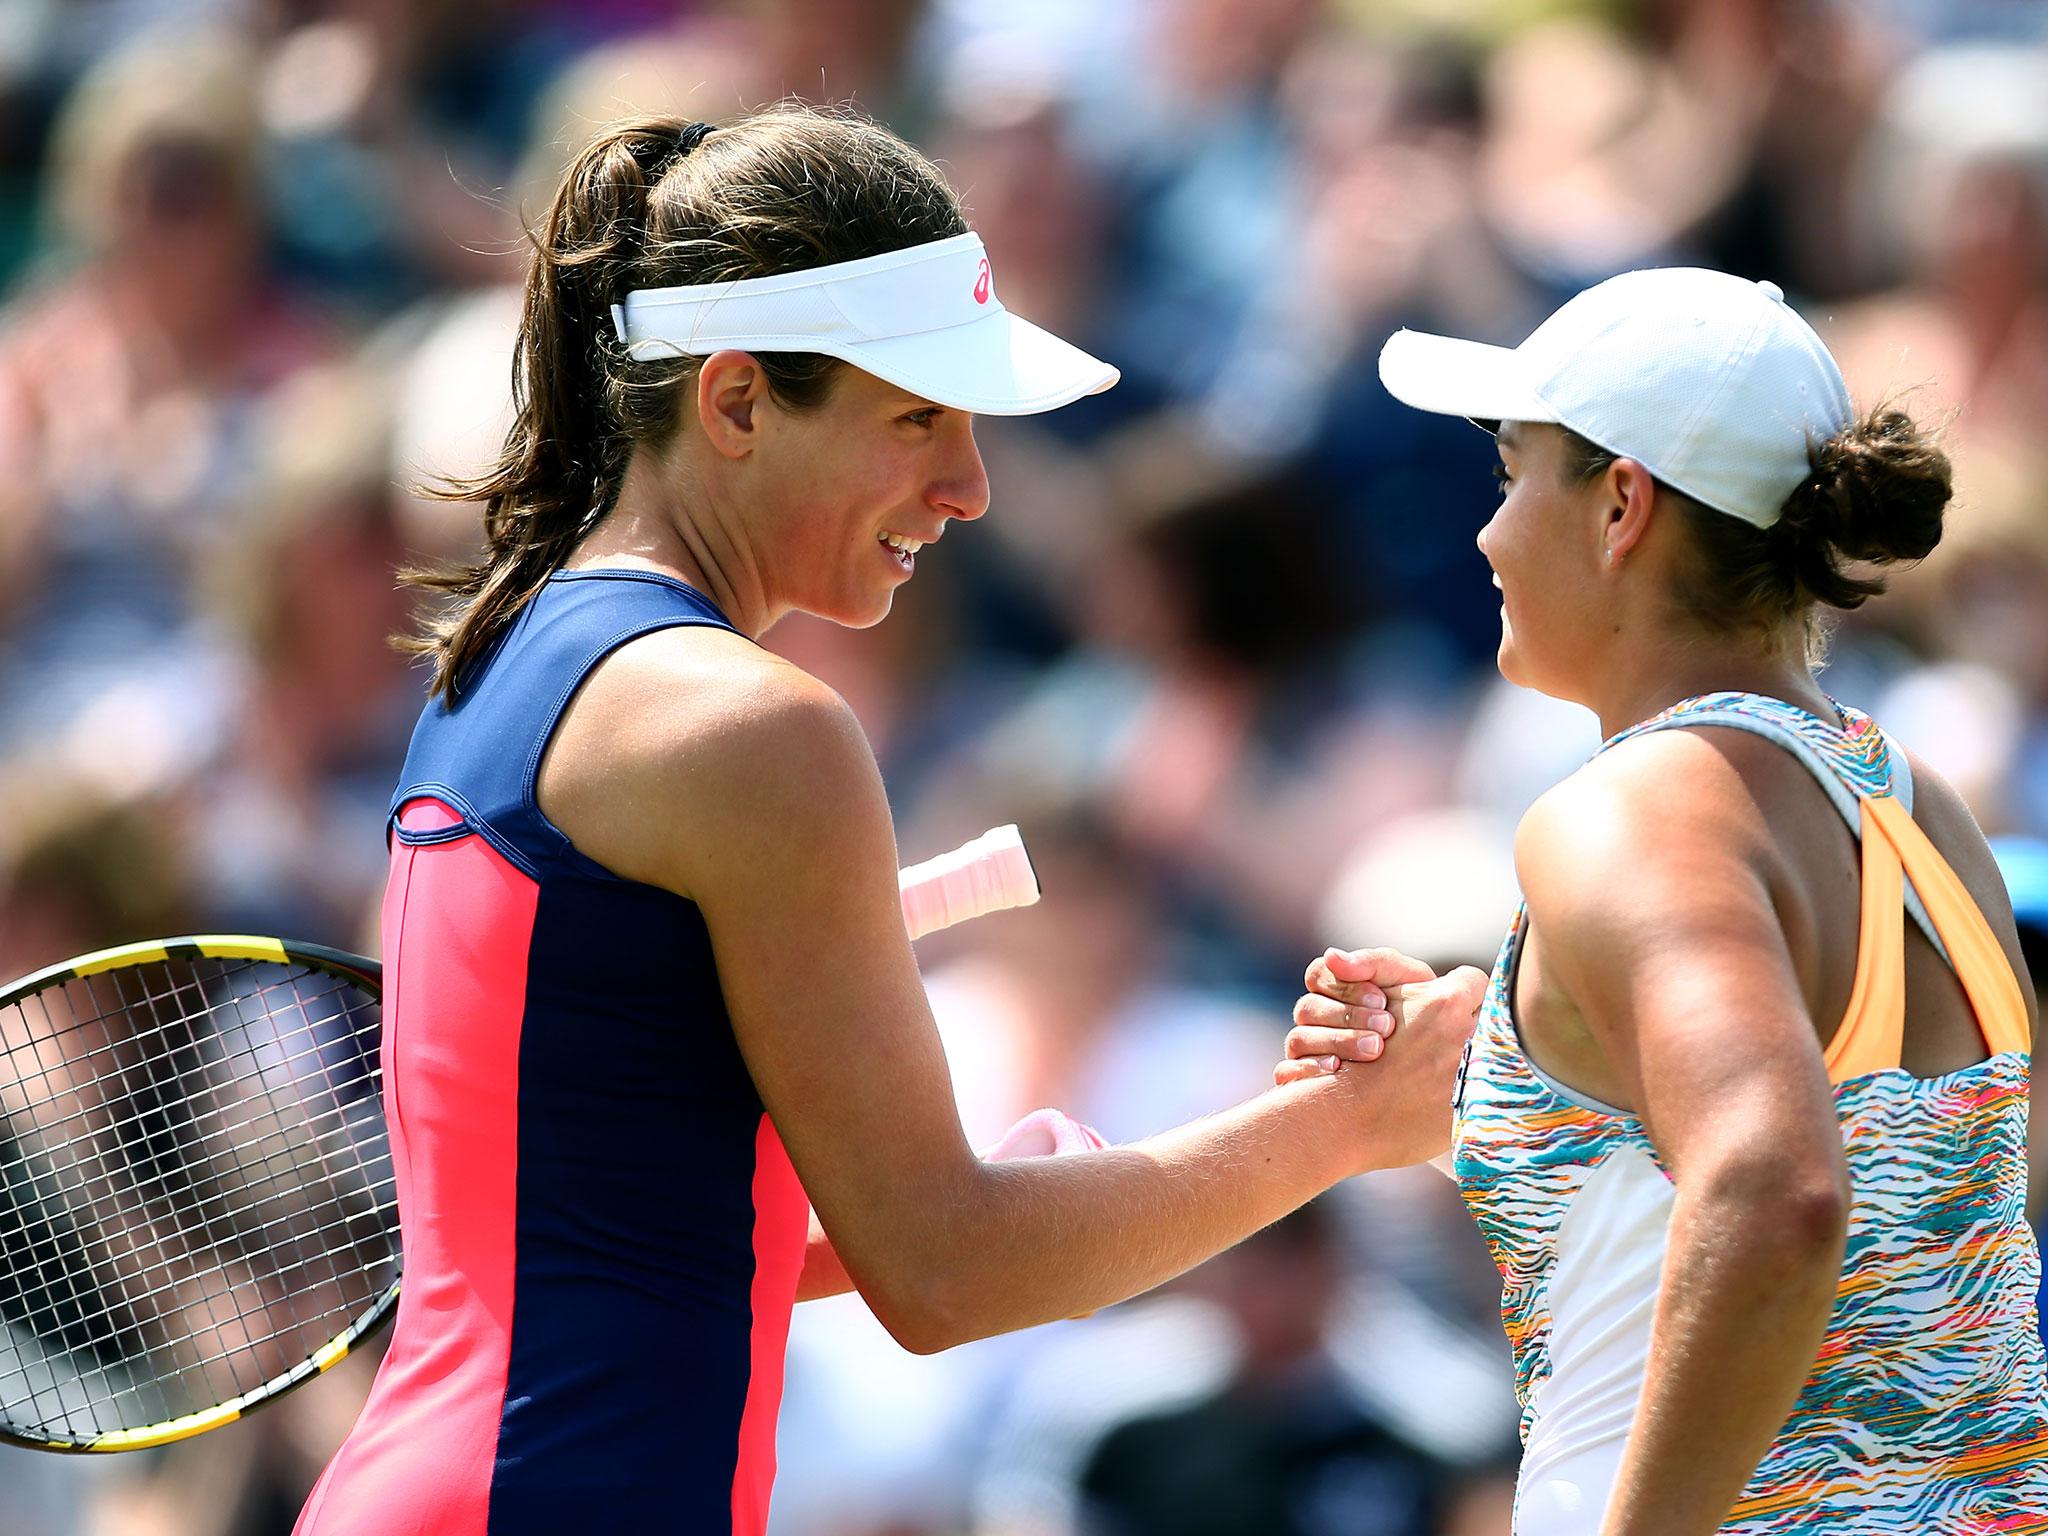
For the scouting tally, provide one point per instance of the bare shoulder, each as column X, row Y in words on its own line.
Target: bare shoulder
column 1666, row 801
column 688, row 739
column 1943, row 814
column 695, row 698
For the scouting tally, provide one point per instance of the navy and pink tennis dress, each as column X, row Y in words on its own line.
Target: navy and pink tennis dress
column 602, row 1231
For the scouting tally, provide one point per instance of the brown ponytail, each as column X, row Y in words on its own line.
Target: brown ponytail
column 655, row 203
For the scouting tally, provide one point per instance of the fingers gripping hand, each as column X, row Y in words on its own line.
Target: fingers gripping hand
column 1344, row 1015
column 1405, row 1100
column 1361, row 976
column 1324, row 1027
column 1328, row 1033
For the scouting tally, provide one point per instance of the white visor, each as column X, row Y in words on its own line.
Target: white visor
column 925, row 318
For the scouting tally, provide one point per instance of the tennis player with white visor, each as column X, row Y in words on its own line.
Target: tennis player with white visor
column 1744, row 1121
column 650, row 1000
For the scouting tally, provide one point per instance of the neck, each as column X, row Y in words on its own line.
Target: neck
column 1655, row 671
column 664, row 522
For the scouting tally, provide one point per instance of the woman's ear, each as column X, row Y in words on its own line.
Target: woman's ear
column 729, row 394
column 1629, row 504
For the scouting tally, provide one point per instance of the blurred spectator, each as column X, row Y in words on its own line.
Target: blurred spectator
column 1953, row 184
column 295, row 807
column 79, row 872
column 1283, row 1447
column 392, row 129
column 125, row 391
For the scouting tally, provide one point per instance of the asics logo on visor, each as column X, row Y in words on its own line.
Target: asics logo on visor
column 981, row 283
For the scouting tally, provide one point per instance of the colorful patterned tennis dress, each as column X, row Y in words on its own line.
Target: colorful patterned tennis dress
column 1927, row 1410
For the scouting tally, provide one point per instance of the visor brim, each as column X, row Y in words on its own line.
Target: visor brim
column 1486, row 385
column 1000, row 365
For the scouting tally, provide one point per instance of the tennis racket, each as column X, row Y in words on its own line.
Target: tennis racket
column 197, row 1206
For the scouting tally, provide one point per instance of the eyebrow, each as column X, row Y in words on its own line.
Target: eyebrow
column 1506, row 436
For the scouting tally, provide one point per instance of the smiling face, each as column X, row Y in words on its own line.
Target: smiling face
column 844, row 494
column 1547, row 548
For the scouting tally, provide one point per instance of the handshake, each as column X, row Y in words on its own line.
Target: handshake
column 1356, row 1002
column 1358, row 998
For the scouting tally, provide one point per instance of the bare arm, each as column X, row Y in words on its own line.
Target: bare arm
column 1647, row 893
column 770, row 815
column 1042, row 1133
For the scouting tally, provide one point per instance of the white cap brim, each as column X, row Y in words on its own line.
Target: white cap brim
column 997, row 365
column 1460, row 378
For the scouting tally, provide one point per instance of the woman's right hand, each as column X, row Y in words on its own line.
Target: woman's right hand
column 1364, row 1004
column 1344, row 1012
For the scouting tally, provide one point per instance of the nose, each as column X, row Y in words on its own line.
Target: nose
column 962, row 491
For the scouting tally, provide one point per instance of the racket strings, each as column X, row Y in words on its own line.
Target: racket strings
column 198, row 1205
column 226, row 1305
column 92, row 1135
column 109, row 1052
column 196, row 1192
column 350, row 1225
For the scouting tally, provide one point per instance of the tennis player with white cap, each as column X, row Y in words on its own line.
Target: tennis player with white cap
column 649, row 995
column 1744, row 1119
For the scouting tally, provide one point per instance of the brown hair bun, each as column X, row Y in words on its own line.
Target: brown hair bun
column 1877, row 495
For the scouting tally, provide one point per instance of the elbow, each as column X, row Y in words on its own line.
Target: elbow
column 1812, row 1221
column 923, row 1317
column 924, row 1292
column 1795, row 1214
column 933, row 1287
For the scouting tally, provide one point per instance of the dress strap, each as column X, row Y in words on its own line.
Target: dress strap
column 1871, row 768
column 1873, row 1030
column 480, row 753
column 1869, row 780
column 1979, row 959
column 1872, row 1034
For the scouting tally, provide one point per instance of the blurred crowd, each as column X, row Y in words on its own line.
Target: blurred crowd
column 1224, row 649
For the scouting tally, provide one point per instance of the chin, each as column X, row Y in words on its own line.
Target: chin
column 1509, row 663
column 1515, row 668
column 856, row 615
column 1522, row 667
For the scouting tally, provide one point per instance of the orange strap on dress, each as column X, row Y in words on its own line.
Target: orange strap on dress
column 1872, row 1035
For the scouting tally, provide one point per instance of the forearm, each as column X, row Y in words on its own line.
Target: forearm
column 1010, row 1245
column 1748, row 1282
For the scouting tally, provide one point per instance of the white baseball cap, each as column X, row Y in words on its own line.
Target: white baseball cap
column 1713, row 383
column 926, row 318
